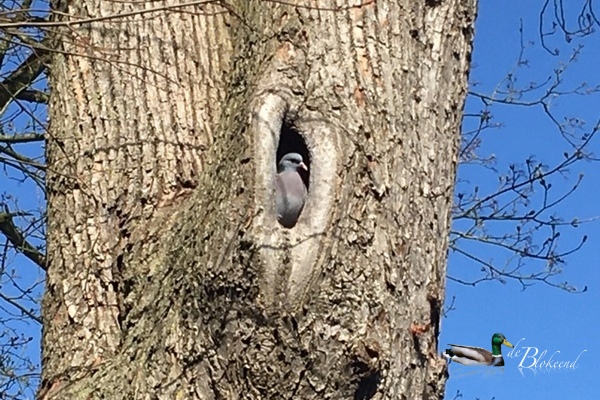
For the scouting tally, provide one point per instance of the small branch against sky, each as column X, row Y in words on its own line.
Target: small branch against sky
column 519, row 216
column 563, row 19
column 15, row 237
column 23, row 99
column 36, row 22
column 23, row 76
column 22, row 138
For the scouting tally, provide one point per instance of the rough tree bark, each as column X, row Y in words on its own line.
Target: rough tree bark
column 169, row 276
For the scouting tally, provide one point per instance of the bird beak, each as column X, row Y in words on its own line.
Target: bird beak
column 507, row 343
column 303, row 166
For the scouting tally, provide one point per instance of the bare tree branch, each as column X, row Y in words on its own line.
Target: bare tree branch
column 22, row 138
column 24, row 311
column 33, row 96
column 22, row 77
column 13, row 234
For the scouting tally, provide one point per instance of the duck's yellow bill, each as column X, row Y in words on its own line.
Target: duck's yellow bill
column 507, row 343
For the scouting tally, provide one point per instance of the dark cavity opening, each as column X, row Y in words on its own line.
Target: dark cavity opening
column 368, row 383
column 290, row 141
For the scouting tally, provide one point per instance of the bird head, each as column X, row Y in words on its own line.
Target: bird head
column 499, row 339
column 291, row 161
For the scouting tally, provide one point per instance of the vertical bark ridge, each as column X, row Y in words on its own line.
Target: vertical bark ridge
column 129, row 139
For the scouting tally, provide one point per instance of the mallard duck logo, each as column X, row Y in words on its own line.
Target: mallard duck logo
column 469, row 355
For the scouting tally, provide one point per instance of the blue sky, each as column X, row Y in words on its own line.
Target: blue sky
column 541, row 317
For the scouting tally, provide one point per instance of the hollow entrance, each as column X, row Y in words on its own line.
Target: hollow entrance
column 291, row 141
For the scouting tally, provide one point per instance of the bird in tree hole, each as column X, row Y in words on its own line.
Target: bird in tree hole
column 290, row 191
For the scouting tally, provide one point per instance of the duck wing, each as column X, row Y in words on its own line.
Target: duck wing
column 477, row 354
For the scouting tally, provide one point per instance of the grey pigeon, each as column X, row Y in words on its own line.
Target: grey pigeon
column 290, row 191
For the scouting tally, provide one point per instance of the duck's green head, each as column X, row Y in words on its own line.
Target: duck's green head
column 499, row 339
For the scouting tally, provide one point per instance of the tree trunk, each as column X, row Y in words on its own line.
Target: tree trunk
column 169, row 276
